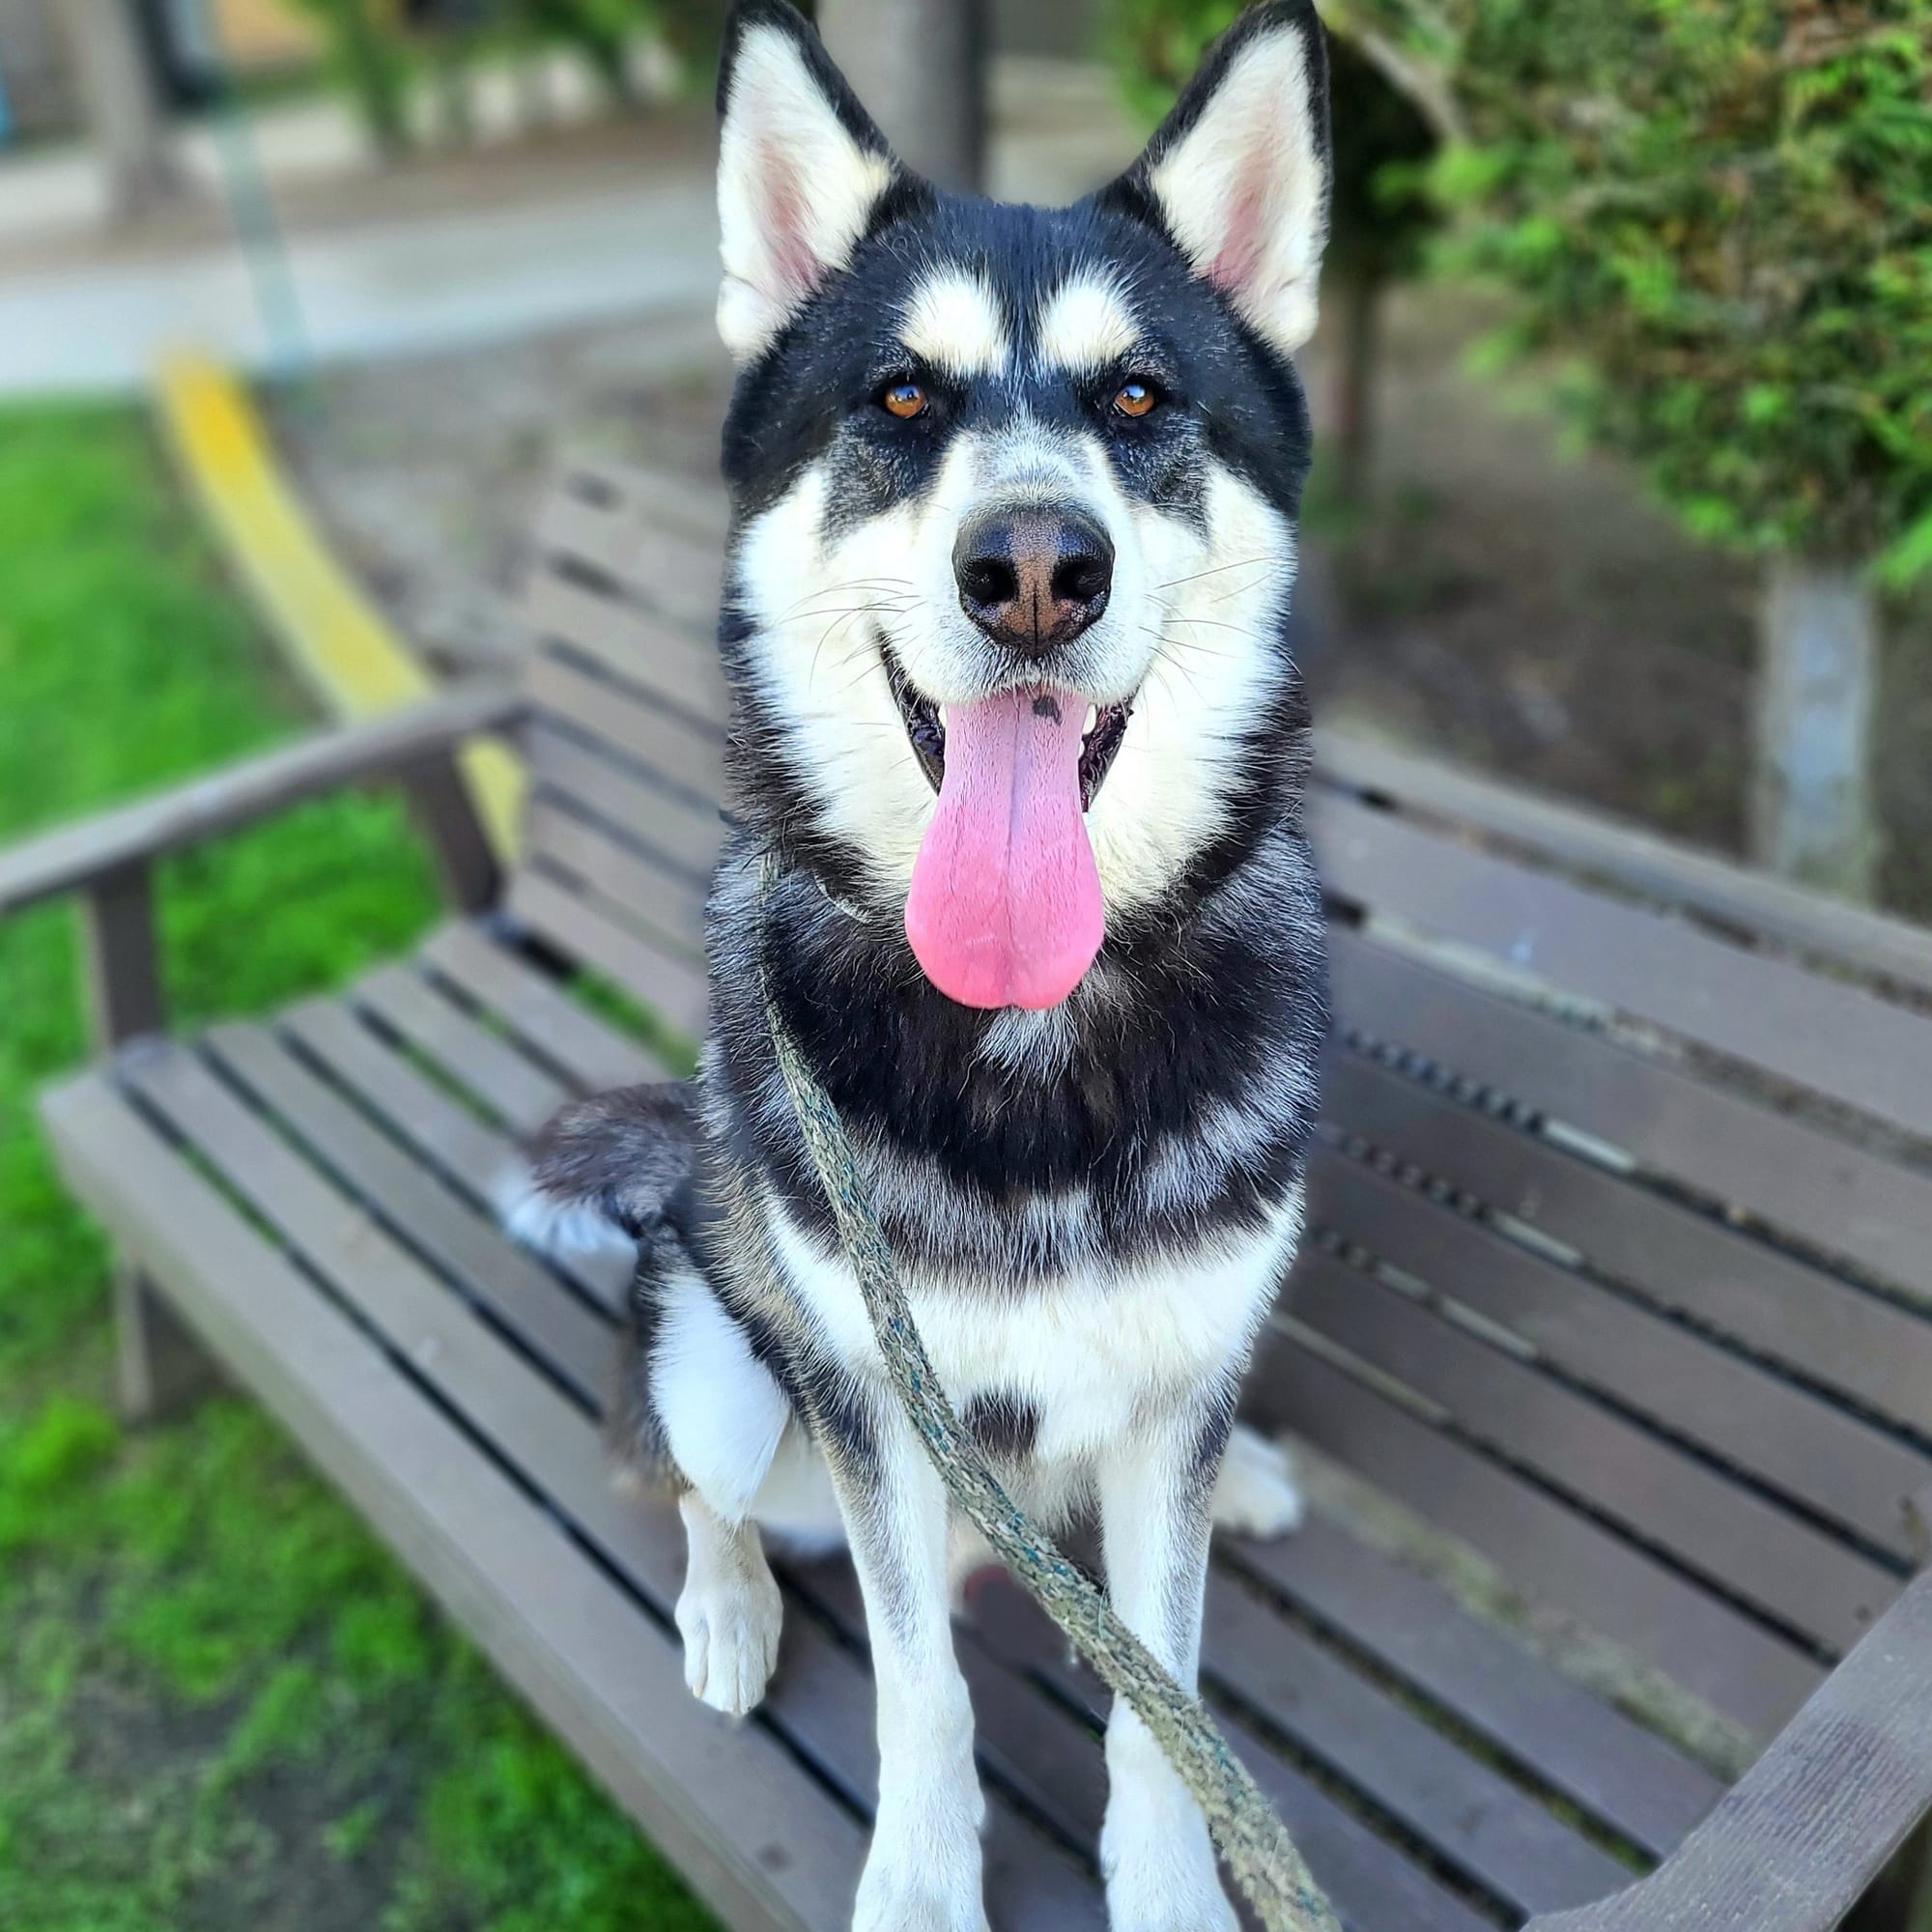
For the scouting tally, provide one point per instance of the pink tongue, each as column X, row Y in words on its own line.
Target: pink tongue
column 1005, row 908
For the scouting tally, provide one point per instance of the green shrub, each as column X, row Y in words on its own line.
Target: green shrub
column 1722, row 208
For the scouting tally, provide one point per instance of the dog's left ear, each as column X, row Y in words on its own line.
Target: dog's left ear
column 1237, row 175
column 802, row 168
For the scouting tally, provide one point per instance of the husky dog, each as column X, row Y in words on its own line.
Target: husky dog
column 1014, row 495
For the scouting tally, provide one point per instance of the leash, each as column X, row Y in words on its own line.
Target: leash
column 1246, row 1829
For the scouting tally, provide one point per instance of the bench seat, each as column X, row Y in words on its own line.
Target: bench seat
column 315, row 1195
column 1608, row 1357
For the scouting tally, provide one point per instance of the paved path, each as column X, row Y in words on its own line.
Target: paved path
column 445, row 255
column 369, row 292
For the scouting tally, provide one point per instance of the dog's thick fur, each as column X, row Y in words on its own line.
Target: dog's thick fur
column 1092, row 1205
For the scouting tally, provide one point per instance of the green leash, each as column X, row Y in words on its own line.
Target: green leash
column 1253, row 1840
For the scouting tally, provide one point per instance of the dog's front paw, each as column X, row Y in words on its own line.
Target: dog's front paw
column 1156, row 1852
column 896, row 1896
column 1256, row 1493
column 731, row 1629
column 1149, row 1892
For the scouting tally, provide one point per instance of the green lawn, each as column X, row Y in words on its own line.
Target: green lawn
column 221, row 1703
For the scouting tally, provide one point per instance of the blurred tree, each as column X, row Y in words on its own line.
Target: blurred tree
column 370, row 63
column 920, row 67
column 1381, row 213
column 123, row 105
column 1722, row 208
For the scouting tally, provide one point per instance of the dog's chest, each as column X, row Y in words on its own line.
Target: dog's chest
column 1080, row 1355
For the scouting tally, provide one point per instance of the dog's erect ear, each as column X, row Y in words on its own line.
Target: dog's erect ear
column 1237, row 173
column 801, row 169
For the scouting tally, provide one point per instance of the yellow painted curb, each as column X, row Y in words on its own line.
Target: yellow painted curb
column 334, row 635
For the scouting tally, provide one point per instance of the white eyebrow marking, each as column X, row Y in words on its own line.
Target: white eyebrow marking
column 952, row 320
column 1087, row 321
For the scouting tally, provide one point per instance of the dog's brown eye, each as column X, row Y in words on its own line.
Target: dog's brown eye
column 904, row 400
column 1135, row 398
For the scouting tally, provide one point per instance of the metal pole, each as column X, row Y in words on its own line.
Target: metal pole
column 919, row 66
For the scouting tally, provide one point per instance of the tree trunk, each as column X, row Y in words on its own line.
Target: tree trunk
column 919, row 66
column 1811, row 801
column 130, row 130
column 1357, row 370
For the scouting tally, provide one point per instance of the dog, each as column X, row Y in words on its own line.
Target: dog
column 1015, row 496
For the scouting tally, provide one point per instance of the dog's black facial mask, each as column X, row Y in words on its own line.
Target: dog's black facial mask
column 1212, row 238
column 1118, row 368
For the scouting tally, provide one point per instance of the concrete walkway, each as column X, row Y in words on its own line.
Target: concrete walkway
column 445, row 254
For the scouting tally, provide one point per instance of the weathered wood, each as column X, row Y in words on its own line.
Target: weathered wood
column 1757, row 1421
column 381, row 747
column 548, row 1022
column 595, row 709
column 666, row 821
column 666, row 899
column 1636, row 858
column 672, row 986
column 641, row 650
column 666, row 570
column 443, row 812
column 1549, row 1551
column 556, row 1448
column 1838, row 1197
column 1820, row 1033
column 1794, row 1845
column 1717, row 1529
column 610, row 1680
column 158, row 1367
column 1635, row 1783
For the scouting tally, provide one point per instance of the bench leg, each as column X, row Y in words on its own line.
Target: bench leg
column 160, row 1368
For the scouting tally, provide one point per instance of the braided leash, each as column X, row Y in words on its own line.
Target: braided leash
column 1253, row 1840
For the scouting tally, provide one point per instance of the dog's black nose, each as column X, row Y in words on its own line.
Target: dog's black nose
column 1034, row 578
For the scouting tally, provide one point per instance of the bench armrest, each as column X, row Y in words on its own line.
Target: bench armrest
column 1801, row 1836
column 75, row 857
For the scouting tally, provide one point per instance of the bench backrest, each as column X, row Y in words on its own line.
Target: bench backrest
column 1622, row 1216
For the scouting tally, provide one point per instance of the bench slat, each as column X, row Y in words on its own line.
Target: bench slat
column 685, row 836
column 504, row 1398
column 671, row 901
column 609, row 1680
column 561, row 1332
column 551, row 1026
column 1840, row 1197
column 517, row 1089
column 1794, row 1441
column 1820, row 1033
column 1700, row 881
column 1733, row 1538
column 674, row 988
column 1635, row 1782
column 613, row 498
column 1463, row 1810
column 1548, row 1551
column 673, row 572
column 638, row 649
column 598, row 710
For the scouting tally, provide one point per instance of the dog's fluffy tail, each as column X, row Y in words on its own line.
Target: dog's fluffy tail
column 604, row 1172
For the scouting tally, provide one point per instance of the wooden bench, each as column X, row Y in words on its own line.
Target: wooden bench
column 1609, row 1354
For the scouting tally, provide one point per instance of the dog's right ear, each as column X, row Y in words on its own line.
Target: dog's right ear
column 801, row 170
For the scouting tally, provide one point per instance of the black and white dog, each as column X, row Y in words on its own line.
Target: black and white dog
column 1015, row 497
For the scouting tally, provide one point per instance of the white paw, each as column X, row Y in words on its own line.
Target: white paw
column 899, row 1895
column 1256, row 1492
column 1129, row 1909
column 730, row 1630
column 1167, row 1887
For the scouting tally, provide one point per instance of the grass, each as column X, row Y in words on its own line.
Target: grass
column 221, row 1703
